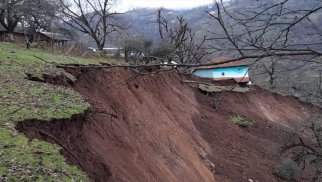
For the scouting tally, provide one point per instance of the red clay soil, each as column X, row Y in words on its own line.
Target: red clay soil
column 252, row 153
column 156, row 128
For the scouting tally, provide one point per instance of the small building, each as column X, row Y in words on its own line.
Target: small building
column 51, row 38
column 237, row 70
column 16, row 37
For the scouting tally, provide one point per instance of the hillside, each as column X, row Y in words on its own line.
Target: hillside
column 156, row 127
column 199, row 20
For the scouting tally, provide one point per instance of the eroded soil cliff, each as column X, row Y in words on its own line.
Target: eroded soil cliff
column 158, row 128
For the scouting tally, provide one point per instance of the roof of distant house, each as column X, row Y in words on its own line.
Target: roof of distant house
column 55, row 36
column 15, row 32
column 221, row 62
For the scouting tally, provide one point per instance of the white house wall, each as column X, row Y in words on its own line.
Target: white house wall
column 228, row 72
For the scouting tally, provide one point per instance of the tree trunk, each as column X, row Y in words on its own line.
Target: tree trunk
column 100, row 46
column 271, row 80
column 126, row 55
column 11, row 28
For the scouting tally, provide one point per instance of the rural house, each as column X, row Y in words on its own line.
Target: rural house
column 51, row 38
column 17, row 37
column 237, row 70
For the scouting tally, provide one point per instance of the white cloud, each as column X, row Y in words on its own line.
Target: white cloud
column 124, row 5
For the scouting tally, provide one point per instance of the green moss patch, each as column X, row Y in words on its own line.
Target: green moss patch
column 238, row 120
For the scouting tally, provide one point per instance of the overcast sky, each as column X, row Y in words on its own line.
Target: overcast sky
column 124, row 5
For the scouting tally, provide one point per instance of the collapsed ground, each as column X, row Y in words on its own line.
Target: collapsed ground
column 154, row 128
column 21, row 99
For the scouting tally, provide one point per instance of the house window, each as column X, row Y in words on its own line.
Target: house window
column 223, row 74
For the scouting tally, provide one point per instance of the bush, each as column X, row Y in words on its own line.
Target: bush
column 137, row 47
column 287, row 170
column 241, row 121
column 209, row 89
column 164, row 50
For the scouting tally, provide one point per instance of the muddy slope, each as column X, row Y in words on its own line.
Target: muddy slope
column 156, row 128
column 240, row 153
column 70, row 135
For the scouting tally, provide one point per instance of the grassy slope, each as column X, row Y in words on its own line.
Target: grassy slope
column 22, row 99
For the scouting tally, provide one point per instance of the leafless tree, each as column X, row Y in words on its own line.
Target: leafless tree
column 187, row 50
column 10, row 13
column 268, row 68
column 271, row 71
column 40, row 14
column 33, row 14
column 314, row 94
column 305, row 146
column 318, row 94
column 278, row 37
column 92, row 17
column 265, row 30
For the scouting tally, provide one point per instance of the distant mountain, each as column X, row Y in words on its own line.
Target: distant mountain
column 143, row 21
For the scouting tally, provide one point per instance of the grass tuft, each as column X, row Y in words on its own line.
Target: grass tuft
column 238, row 120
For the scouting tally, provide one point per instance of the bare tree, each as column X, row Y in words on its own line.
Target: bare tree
column 187, row 50
column 305, row 146
column 92, row 17
column 318, row 94
column 33, row 14
column 271, row 71
column 267, row 67
column 10, row 14
column 266, row 30
column 40, row 14
column 313, row 94
column 279, row 38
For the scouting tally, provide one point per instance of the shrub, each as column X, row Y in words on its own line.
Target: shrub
column 241, row 121
column 164, row 50
column 287, row 170
column 136, row 47
column 208, row 89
